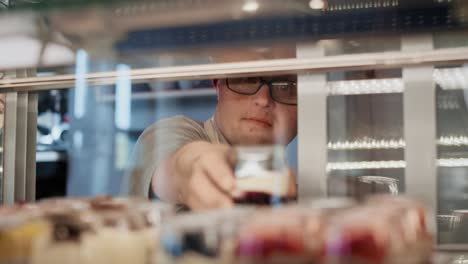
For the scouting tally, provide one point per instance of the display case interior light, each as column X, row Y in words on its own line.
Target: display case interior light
column 367, row 143
column 453, row 141
column 374, row 86
column 455, row 162
column 391, row 164
column 447, row 79
column 365, row 165
column 364, row 5
column 451, row 78
column 370, row 143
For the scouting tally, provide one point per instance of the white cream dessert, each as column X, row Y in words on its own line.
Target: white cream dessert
column 262, row 176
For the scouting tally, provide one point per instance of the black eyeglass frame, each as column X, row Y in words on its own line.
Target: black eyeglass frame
column 270, row 87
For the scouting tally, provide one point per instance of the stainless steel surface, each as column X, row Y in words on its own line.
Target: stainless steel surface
column 420, row 126
column 312, row 127
column 320, row 64
column 21, row 141
column 31, row 146
column 9, row 148
column 21, row 144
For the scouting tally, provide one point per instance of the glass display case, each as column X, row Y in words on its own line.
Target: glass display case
column 381, row 90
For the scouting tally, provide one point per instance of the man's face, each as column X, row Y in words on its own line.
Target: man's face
column 255, row 119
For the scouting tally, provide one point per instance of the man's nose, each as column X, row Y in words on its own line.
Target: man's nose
column 262, row 98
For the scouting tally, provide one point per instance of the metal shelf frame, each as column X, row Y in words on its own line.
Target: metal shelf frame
column 19, row 137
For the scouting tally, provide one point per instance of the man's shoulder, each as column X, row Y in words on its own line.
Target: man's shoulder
column 176, row 124
column 179, row 121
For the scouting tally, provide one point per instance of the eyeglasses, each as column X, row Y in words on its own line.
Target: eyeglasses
column 281, row 91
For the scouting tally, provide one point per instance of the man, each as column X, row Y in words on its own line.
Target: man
column 192, row 163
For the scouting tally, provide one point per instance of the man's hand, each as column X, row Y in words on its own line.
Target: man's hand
column 211, row 181
column 203, row 175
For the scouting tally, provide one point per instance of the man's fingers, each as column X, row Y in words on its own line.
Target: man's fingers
column 204, row 194
column 219, row 171
column 292, row 188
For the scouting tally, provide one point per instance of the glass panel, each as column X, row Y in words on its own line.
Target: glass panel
column 105, row 118
column 2, row 119
column 357, row 45
column 106, row 123
column 109, row 152
column 450, row 39
column 452, row 151
column 52, row 143
column 365, row 133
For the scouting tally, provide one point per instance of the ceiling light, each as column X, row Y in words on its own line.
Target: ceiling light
column 250, row 6
column 316, row 4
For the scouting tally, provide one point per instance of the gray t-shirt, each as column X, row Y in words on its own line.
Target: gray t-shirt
column 159, row 141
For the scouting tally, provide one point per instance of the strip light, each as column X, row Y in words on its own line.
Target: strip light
column 460, row 162
column 376, row 86
column 365, row 165
column 364, row 5
column 451, row 78
column 453, row 141
column 391, row 164
column 447, row 79
column 367, row 143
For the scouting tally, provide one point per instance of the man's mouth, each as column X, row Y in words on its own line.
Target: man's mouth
column 259, row 121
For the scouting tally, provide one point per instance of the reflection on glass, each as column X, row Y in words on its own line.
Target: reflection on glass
column 460, row 226
column 2, row 118
column 80, row 83
column 2, row 115
column 123, row 97
column 451, row 39
column 361, row 45
column 452, row 153
column 365, row 133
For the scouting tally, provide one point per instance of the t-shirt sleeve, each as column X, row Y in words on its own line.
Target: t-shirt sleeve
column 156, row 144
